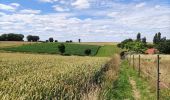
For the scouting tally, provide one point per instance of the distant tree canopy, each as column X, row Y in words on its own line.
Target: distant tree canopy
column 138, row 38
column 164, row 47
column 32, row 38
column 51, row 39
column 157, row 38
column 11, row 37
column 79, row 40
column 138, row 45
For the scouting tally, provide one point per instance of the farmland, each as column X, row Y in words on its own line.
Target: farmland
column 35, row 76
column 52, row 48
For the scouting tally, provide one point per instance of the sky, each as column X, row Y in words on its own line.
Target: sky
column 90, row 20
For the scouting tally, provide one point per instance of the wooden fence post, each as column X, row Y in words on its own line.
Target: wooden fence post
column 158, row 77
column 139, row 66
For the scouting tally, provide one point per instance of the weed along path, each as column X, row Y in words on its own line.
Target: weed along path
column 129, row 86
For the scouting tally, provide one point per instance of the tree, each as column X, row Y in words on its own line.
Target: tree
column 159, row 37
column 11, row 37
column 56, row 40
column 51, row 39
column 144, row 40
column 138, row 37
column 32, row 38
column 61, row 48
column 87, row 52
column 79, row 40
column 123, row 43
column 164, row 47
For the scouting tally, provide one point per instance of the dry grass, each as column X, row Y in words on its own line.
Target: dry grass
column 34, row 76
column 100, row 43
column 12, row 43
column 149, row 71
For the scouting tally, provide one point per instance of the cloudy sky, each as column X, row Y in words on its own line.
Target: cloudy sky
column 90, row 20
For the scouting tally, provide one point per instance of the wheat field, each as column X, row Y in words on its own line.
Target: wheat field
column 35, row 76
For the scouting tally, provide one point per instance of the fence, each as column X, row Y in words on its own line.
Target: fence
column 155, row 68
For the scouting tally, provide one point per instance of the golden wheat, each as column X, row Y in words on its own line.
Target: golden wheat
column 34, row 76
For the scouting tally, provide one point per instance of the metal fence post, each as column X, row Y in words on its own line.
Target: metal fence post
column 139, row 66
column 133, row 62
column 158, row 77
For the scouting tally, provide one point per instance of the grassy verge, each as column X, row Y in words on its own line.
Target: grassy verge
column 121, row 88
column 108, row 51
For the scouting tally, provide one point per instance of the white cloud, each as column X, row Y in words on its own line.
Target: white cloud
column 10, row 7
column 140, row 4
column 60, row 9
column 30, row 11
column 114, row 24
column 81, row 4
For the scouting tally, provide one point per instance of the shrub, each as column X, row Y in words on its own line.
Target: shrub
column 61, row 48
column 87, row 52
column 56, row 40
column 51, row 39
column 164, row 47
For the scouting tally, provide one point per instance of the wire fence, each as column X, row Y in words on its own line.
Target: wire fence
column 156, row 69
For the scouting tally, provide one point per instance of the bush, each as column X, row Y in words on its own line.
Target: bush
column 87, row 52
column 56, row 40
column 164, row 47
column 61, row 48
column 51, row 39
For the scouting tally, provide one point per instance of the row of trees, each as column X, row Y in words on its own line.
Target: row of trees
column 140, row 45
column 11, row 37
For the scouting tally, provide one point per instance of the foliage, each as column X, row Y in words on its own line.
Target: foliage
column 32, row 38
column 79, row 40
column 87, row 52
column 123, row 43
column 164, row 47
column 61, row 48
column 138, row 38
column 144, row 40
column 157, row 38
column 11, row 37
column 56, row 41
column 51, row 39
column 52, row 48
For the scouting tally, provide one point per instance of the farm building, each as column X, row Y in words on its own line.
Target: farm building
column 151, row 51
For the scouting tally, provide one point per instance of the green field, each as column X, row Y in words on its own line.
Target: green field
column 52, row 48
column 108, row 51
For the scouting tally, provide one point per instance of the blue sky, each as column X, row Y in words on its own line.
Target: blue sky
column 90, row 20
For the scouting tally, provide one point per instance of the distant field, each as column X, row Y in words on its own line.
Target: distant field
column 47, row 77
column 5, row 44
column 52, row 48
column 100, row 43
column 108, row 51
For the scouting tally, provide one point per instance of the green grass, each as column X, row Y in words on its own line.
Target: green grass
column 52, row 48
column 108, row 51
column 121, row 89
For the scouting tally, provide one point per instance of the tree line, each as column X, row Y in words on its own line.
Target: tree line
column 140, row 45
column 30, row 38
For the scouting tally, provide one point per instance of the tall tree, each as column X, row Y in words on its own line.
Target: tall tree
column 144, row 40
column 159, row 37
column 138, row 37
column 155, row 39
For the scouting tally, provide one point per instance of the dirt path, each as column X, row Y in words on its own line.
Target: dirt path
column 136, row 93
